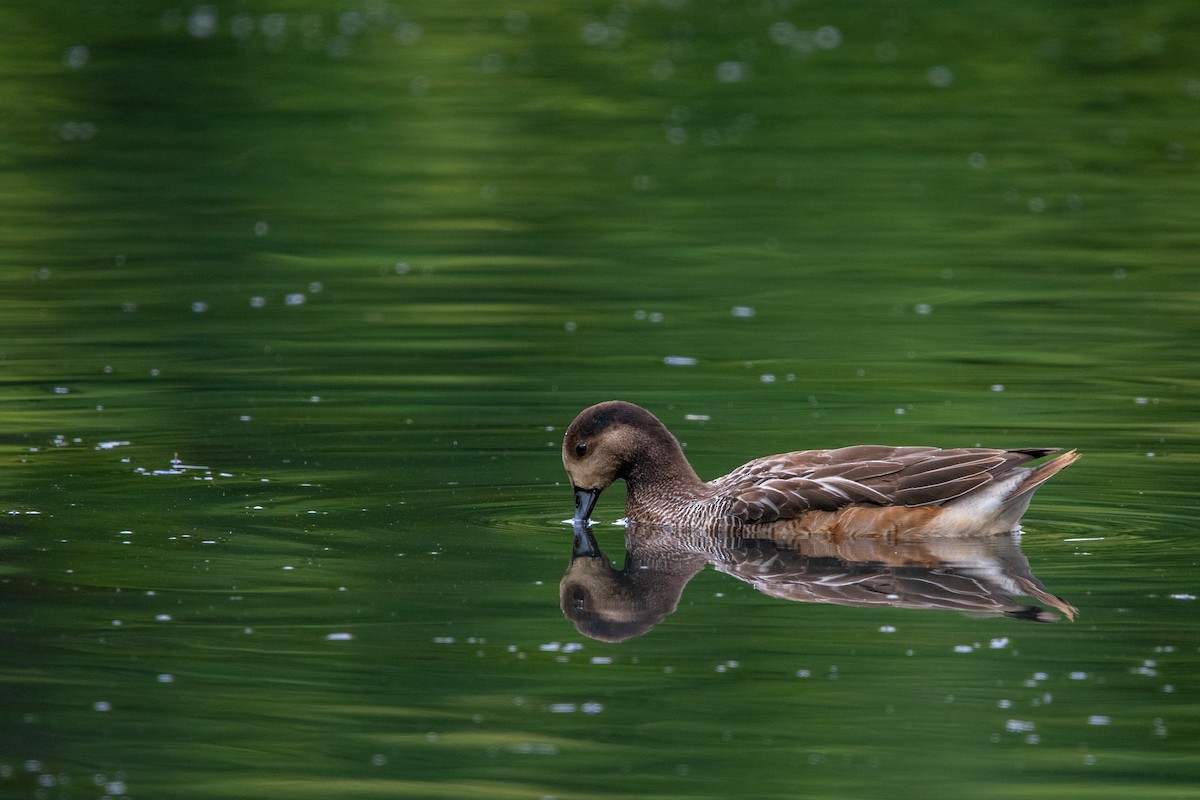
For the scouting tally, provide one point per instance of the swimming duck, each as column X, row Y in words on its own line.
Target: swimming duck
column 866, row 489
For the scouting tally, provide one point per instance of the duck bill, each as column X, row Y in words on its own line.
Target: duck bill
column 585, row 501
column 585, row 545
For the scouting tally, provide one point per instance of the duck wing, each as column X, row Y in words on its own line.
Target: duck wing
column 787, row 485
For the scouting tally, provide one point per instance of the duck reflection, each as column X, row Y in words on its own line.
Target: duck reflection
column 980, row 575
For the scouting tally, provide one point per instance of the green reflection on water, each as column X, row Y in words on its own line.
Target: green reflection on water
column 364, row 264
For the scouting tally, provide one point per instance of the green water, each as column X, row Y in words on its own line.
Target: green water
column 296, row 300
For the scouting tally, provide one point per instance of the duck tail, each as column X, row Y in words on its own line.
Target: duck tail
column 1042, row 473
column 1014, row 506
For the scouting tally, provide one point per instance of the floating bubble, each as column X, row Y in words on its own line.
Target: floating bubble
column 76, row 57
column 202, row 22
column 408, row 32
column 939, row 77
column 828, row 37
column 732, row 71
column 782, row 32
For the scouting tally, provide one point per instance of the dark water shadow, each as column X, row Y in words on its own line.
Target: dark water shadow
column 978, row 575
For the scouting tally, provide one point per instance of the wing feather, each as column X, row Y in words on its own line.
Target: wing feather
column 787, row 485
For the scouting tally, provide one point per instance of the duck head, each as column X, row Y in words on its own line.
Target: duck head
column 614, row 440
column 597, row 449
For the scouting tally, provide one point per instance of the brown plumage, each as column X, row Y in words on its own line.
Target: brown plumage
column 866, row 488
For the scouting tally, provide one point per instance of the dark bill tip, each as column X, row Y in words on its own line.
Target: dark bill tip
column 585, row 545
column 585, row 501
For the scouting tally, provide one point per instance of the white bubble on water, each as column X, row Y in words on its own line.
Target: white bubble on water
column 828, row 37
column 940, row 76
column 732, row 71
column 202, row 22
column 407, row 32
column 76, row 56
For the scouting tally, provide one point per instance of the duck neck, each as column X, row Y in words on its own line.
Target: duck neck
column 661, row 471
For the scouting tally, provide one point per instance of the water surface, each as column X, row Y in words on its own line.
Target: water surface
column 296, row 302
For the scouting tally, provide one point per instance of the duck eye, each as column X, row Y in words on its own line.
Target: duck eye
column 581, row 449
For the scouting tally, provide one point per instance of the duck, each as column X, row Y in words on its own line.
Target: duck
column 847, row 491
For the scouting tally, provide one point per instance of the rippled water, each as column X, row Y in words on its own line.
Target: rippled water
column 295, row 304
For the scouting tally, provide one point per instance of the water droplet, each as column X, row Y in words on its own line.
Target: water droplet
column 202, row 22
column 76, row 57
column 732, row 71
column 939, row 77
